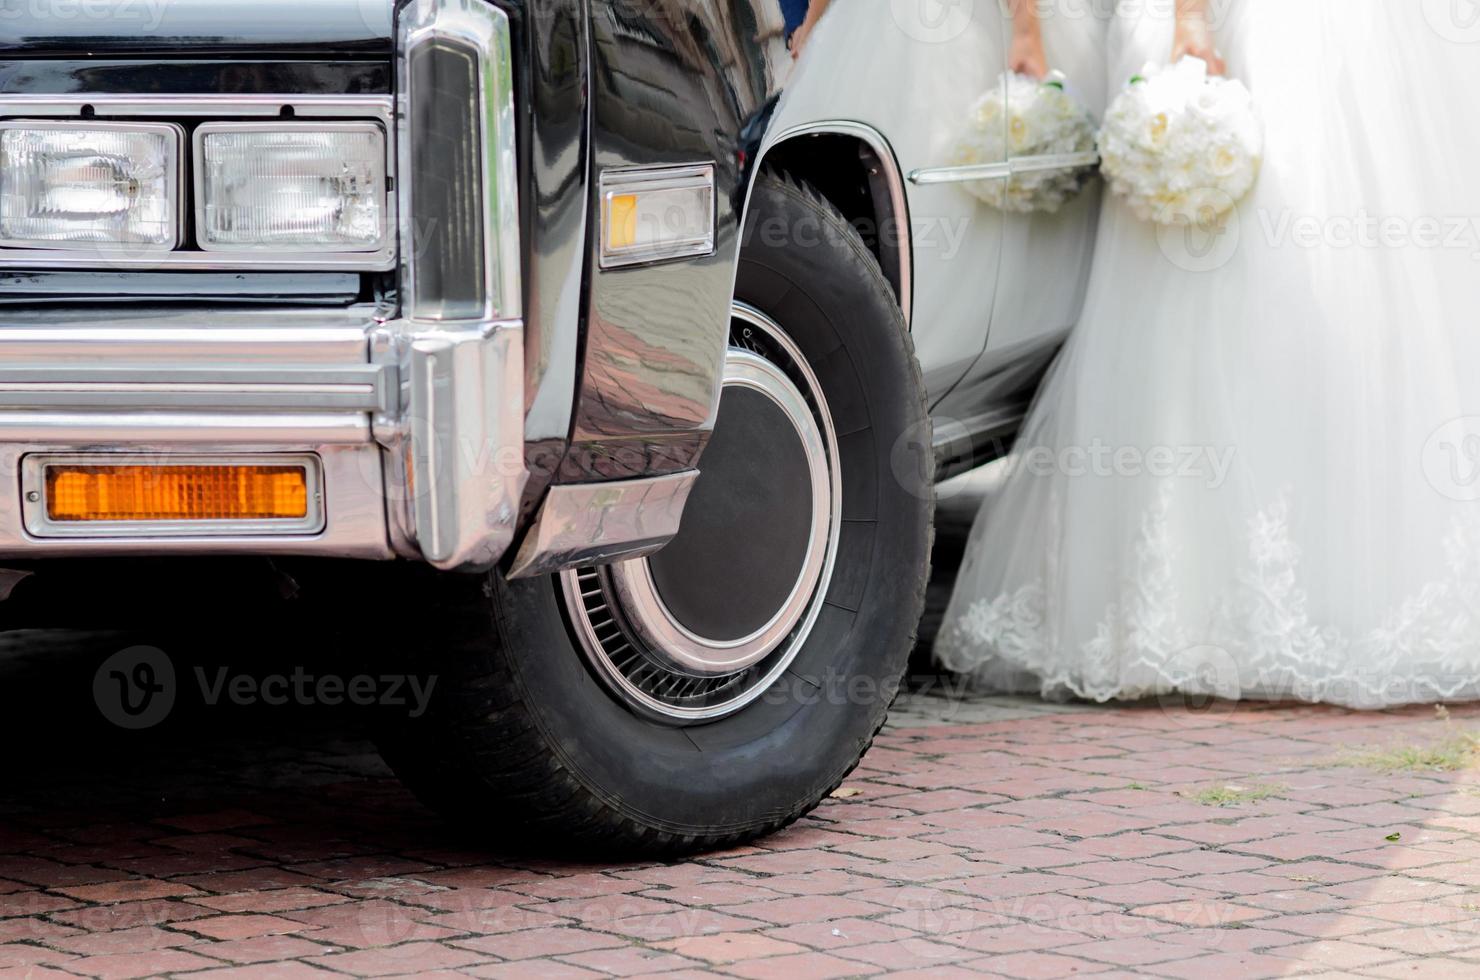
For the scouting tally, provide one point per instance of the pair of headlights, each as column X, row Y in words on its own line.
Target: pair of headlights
column 303, row 187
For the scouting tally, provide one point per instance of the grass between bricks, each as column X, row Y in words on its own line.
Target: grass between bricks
column 1457, row 749
column 1231, row 795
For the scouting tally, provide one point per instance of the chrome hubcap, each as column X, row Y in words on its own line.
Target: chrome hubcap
column 701, row 629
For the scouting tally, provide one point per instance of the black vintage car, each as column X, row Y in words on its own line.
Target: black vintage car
column 531, row 309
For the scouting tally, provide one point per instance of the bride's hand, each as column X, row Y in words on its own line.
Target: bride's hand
column 1195, row 37
column 1027, row 56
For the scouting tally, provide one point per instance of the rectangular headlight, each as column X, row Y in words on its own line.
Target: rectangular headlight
column 89, row 185
column 309, row 187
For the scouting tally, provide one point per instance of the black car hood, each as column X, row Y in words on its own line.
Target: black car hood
column 111, row 27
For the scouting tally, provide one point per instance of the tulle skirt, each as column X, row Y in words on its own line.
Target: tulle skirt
column 1254, row 471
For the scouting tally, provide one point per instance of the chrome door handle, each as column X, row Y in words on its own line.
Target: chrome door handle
column 957, row 175
column 1054, row 161
column 1005, row 169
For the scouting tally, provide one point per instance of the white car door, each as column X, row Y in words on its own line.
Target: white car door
column 911, row 69
column 1045, row 257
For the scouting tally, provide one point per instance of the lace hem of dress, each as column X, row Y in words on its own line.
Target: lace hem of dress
column 1259, row 643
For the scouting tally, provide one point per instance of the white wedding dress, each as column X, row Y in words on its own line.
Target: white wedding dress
column 1254, row 470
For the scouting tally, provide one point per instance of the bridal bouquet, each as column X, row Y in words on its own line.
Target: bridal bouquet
column 1179, row 143
column 1024, row 117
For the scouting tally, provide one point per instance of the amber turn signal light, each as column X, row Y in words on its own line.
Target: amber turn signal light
column 176, row 493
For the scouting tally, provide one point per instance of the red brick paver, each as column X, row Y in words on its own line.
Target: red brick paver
column 985, row 836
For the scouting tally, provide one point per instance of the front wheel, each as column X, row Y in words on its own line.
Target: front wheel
column 719, row 689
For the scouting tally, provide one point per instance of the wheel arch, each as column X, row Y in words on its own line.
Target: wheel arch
column 852, row 165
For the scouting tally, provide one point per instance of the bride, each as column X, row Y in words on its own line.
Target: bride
column 1254, row 470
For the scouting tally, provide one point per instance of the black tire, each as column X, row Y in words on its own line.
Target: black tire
column 522, row 741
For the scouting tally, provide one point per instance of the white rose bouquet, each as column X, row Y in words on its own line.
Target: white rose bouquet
column 1180, row 144
column 1022, row 116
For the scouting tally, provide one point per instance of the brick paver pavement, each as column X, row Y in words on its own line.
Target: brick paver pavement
column 980, row 836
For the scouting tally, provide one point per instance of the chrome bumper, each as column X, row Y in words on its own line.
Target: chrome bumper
column 419, row 432
column 161, row 383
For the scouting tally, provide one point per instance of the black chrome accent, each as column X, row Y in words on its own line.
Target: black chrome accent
column 459, row 193
column 445, row 133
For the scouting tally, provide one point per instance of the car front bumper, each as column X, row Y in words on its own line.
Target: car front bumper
column 418, row 432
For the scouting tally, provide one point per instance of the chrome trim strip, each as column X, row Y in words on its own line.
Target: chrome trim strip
column 593, row 523
column 255, row 337
column 74, row 288
column 361, row 387
column 133, row 429
column 1005, row 169
column 636, row 181
column 37, row 522
column 206, row 106
column 382, row 261
column 179, row 386
column 215, row 107
column 893, row 178
column 65, row 363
